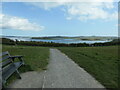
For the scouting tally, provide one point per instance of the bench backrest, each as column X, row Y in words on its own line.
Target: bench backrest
column 5, row 58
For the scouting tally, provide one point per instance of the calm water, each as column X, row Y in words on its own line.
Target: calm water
column 67, row 41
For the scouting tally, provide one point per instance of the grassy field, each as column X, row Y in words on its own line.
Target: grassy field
column 100, row 62
column 35, row 58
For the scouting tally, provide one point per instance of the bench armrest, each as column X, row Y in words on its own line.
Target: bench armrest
column 16, row 56
column 19, row 57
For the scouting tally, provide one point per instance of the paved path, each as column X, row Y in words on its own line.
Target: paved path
column 29, row 80
column 62, row 72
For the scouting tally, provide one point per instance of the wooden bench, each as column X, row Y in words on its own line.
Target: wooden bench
column 9, row 65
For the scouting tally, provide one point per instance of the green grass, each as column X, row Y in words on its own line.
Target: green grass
column 100, row 62
column 35, row 58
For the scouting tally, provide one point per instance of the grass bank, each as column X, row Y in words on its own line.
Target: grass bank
column 100, row 62
column 35, row 58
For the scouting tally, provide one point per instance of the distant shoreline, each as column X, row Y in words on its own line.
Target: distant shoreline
column 59, row 43
column 64, row 39
column 61, row 40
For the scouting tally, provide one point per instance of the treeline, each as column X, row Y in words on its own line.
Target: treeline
column 7, row 41
column 52, row 44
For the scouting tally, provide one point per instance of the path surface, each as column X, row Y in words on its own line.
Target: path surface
column 62, row 72
column 29, row 80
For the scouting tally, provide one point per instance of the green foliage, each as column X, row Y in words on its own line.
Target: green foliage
column 100, row 62
column 36, row 57
column 7, row 41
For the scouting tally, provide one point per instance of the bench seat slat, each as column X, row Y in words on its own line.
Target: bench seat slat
column 6, row 62
column 3, row 58
column 7, row 71
column 4, row 53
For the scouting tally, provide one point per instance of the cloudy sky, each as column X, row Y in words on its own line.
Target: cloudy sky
column 59, row 18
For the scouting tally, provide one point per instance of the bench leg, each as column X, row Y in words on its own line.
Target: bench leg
column 3, row 84
column 18, row 74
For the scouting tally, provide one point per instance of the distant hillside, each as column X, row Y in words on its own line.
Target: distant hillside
column 50, row 37
column 78, row 37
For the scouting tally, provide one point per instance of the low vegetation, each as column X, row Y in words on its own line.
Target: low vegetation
column 35, row 58
column 100, row 62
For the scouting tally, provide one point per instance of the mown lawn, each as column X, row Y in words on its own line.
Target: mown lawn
column 35, row 58
column 100, row 62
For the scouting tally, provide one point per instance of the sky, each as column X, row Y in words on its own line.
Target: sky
column 59, row 18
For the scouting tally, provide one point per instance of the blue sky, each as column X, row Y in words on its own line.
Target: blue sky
column 59, row 19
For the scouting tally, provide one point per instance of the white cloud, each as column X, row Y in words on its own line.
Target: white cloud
column 12, row 22
column 87, row 11
column 46, row 5
column 84, row 10
column 68, row 18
